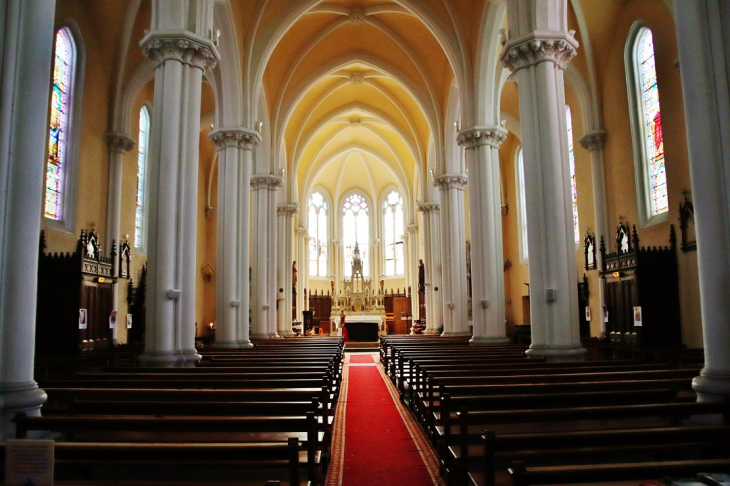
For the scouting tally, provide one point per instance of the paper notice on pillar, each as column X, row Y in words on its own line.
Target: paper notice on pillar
column 129, row 321
column 113, row 320
column 637, row 316
column 605, row 314
column 83, row 319
column 588, row 314
column 28, row 462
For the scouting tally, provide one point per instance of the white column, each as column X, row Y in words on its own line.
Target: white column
column 453, row 254
column 263, row 278
column 703, row 38
column 487, row 268
column 538, row 56
column 179, row 57
column 432, row 266
column 235, row 153
column 118, row 144
column 285, row 215
column 302, row 236
column 26, row 42
column 412, row 266
column 594, row 142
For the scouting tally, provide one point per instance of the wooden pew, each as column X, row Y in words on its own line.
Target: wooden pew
column 74, row 462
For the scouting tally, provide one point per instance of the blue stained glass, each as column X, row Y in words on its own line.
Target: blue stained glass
column 654, row 136
column 58, row 125
column 142, row 146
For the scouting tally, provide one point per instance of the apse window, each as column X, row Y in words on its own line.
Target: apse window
column 646, row 126
column 393, row 234
column 356, row 232
column 318, row 235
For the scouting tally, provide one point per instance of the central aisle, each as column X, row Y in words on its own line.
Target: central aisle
column 375, row 440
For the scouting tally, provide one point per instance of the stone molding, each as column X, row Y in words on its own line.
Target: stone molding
column 428, row 207
column 288, row 209
column 539, row 46
column 594, row 140
column 479, row 136
column 119, row 142
column 242, row 138
column 450, row 181
column 179, row 45
column 270, row 182
column 412, row 229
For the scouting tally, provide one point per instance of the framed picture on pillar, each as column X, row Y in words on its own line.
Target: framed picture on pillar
column 589, row 248
column 687, row 224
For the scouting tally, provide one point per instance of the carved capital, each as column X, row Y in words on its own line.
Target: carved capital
column 428, row 207
column 288, row 209
column 412, row 229
column 450, row 181
column 119, row 142
column 557, row 47
column 235, row 137
column 302, row 232
column 479, row 136
column 179, row 45
column 594, row 140
column 270, row 182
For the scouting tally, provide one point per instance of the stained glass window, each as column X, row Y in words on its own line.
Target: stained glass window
column 573, row 190
column 653, row 136
column 143, row 143
column 58, row 127
column 317, row 235
column 522, row 204
column 393, row 234
column 356, row 229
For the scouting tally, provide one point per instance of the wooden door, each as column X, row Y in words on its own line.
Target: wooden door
column 401, row 306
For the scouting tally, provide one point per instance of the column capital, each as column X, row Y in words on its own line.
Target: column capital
column 235, row 137
column 270, row 182
column 539, row 46
column 450, row 181
column 288, row 209
column 119, row 142
column 479, row 136
column 412, row 229
column 428, row 207
column 301, row 232
column 594, row 140
column 179, row 45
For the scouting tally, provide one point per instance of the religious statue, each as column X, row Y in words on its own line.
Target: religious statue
column 294, row 273
column 332, row 284
column 421, row 276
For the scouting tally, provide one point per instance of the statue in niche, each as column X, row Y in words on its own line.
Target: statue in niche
column 294, row 273
column 421, row 276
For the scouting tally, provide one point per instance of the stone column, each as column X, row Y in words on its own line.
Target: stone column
column 25, row 63
column 411, row 242
column 594, row 142
column 537, row 56
column 487, row 267
column 235, row 158
column 118, row 144
column 179, row 57
column 432, row 265
column 301, row 242
column 285, row 215
column 453, row 254
column 263, row 266
column 703, row 38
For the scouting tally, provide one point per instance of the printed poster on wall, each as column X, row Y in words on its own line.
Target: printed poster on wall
column 28, row 462
column 113, row 320
column 129, row 321
column 637, row 316
column 588, row 314
column 83, row 319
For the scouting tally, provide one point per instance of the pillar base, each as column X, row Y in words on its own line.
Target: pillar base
column 265, row 336
column 18, row 397
column 287, row 333
column 489, row 340
column 161, row 359
column 431, row 332
column 712, row 386
column 191, row 357
column 557, row 354
column 245, row 345
column 456, row 333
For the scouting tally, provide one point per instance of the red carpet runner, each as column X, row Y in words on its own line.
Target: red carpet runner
column 376, row 442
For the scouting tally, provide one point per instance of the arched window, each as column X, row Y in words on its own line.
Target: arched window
column 521, row 205
column 142, row 144
column 651, row 176
column 393, row 234
column 318, row 235
column 573, row 189
column 356, row 231
column 64, row 68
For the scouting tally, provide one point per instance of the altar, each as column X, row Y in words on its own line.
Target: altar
column 362, row 328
